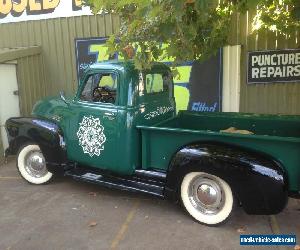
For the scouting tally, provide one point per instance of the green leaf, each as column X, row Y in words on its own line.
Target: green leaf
column 188, row 29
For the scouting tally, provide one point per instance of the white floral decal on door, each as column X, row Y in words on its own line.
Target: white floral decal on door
column 91, row 136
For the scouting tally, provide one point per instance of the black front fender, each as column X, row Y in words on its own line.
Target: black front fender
column 258, row 181
column 44, row 133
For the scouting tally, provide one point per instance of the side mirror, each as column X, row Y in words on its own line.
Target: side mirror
column 62, row 96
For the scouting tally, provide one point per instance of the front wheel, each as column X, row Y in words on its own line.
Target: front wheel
column 32, row 165
column 206, row 197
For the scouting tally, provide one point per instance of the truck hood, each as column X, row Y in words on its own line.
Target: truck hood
column 51, row 108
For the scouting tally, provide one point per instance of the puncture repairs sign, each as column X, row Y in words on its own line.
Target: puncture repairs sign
column 274, row 66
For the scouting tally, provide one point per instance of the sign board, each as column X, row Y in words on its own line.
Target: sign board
column 206, row 85
column 199, row 87
column 89, row 51
column 274, row 66
column 24, row 10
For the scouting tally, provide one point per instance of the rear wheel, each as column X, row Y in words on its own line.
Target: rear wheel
column 32, row 165
column 206, row 197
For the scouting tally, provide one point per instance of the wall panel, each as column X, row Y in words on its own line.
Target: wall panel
column 1, row 151
column 31, row 81
column 231, row 78
column 273, row 98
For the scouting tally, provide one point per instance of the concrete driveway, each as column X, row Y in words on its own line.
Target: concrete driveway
column 73, row 215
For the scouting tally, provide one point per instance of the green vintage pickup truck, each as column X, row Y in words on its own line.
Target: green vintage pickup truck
column 121, row 130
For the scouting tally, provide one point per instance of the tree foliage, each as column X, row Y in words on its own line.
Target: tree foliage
column 181, row 30
column 282, row 16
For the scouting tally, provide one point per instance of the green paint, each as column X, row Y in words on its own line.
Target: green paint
column 182, row 97
column 160, row 133
column 182, row 94
column 184, row 74
column 101, row 50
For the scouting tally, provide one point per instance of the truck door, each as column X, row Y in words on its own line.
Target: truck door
column 92, row 138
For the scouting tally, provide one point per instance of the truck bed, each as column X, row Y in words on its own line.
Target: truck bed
column 276, row 136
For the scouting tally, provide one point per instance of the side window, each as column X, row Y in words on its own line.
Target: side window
column 101, row 87
column 158, row 82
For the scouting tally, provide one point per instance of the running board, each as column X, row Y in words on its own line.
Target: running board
column 148, row 174
column 134, row 184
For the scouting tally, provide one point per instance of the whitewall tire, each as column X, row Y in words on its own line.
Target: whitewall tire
column 32, row 165
column 207, row 198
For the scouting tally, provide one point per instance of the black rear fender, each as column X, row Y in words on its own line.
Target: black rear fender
column 258, row 181
column 46, row 134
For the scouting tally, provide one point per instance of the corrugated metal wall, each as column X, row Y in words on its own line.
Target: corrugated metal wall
column 31, row 81
column 274, row 98
column 56, row 36
column 1, row 151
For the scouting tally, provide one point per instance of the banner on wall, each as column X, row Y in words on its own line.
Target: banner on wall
column 206, row 85
column 274, row 66
column 198, row 88
column 23, row 10
column 89, row 51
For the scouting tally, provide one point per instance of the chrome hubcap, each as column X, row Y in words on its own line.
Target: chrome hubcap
column 35, row 164
column 206, row 194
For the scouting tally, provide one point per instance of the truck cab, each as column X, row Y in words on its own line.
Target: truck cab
column 99, row 123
